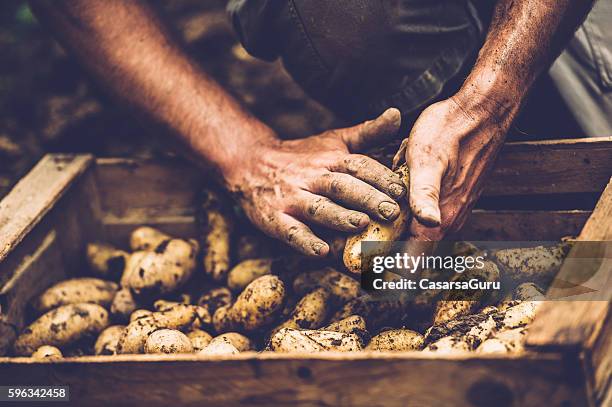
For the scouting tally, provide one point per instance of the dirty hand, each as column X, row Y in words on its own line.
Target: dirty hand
column 450, row 148
column 285, row 185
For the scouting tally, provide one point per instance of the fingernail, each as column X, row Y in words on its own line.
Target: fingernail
column 397, row 190
column 387, row 209
column 430, row 216
column 358, row 220
column 318, row 248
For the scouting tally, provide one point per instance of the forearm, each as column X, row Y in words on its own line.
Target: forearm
column 524, row 37
column 125, row 46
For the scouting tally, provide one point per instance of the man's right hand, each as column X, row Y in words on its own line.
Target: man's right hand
column 285, row 185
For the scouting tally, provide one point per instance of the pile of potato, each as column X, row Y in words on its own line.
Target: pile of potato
column 170, row 295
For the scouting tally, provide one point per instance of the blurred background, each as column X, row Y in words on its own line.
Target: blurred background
column 48, row 104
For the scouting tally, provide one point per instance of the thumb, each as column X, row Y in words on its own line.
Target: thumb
column 425, row 180
column 373, row 132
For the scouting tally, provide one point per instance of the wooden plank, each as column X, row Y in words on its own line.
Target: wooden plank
column 35, row 194
column 159, row 187
column 553, row 166
column 516, row 225
column 575, row 323
column 266, row 379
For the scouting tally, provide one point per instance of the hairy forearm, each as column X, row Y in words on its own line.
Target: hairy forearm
column 125, row 46
column 524, row 37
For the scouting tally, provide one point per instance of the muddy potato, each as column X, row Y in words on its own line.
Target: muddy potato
column 520, row 315
column 131, row 266
column 106, row 344
column 216, row 222
column 136, row 333
column 376, row 312
column 47, row 352
column 239, row 341
column 168, row 341
column 528, row 291
column 447, row 310
column 246, row 271
column 396, row 340
column 139, row 313
column 209, row 302
column 471, row 329
column 254, row 308
column 146, row 238
column 504, row 342
column 309, row 313
column 342, row 287
column 123, row 305
column 76, row 290
column 538, row 264
column 377, row 231
column 348, row 325
column 105, row 260
column 163, row 270
column 462, row 341
column 309, row 341
column 219, row 348
column 199, row 339
column 61, row 327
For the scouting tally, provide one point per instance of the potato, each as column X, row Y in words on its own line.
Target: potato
column 131, row 266
column 199, row 339
column 106, row 344
column 163, row 270
column 76, row 290
column 105, row 260
column 377, row 231
column 309, row 313
column 245, row 272
column 219, row 348
column 539, row 264
column 376, row 312
column 460, row 327
column 447, row 310
column 61, row 327
column 47, row 352
column 168, row 341
column 217, row 226
column 309, row 341
column 123, row 305
column 139, row 313
column 520, row 315
column 528, row 291
column 396, row 340
column 343, row 288
column 462, row 340
column 239, row 341
column 353, row 324
column 146, row 238
column 135, row 335
column 254, row 308
column 504, row 342
column 209, row 303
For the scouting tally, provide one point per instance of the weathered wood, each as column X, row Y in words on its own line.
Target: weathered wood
column 575, row 322
column 332, row 379
column 523, row 225
column 33, row 196
column 552, row 166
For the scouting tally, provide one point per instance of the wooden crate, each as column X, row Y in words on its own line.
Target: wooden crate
column 68, row 200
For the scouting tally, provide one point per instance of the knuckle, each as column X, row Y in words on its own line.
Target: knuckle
column 356, row 163
column 316, row 205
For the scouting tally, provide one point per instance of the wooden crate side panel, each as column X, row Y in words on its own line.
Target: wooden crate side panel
column 554, row 166
column 33, row 196
column 314, row 380
column 575, row 323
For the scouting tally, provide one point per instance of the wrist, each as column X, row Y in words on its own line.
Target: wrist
column 494, row 93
